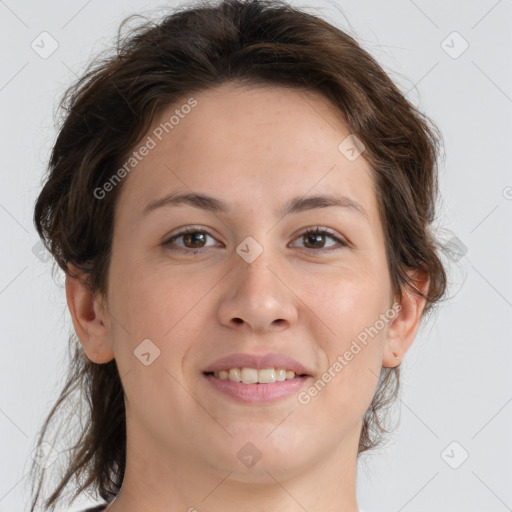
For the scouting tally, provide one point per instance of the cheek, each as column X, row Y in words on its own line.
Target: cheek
column 154, row 324
column 147, row 297
column 345, row 305
column 167, row 307
column 351, row 329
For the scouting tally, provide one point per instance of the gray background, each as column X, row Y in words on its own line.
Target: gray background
column 456, row 377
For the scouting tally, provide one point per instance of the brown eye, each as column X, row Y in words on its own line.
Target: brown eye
column 315, row 239
column 191, row 239
column 194, row 240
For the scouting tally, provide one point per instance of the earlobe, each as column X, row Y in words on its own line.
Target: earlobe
column 403, row 328
column 89, row 319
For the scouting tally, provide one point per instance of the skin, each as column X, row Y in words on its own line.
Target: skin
column 253, row 148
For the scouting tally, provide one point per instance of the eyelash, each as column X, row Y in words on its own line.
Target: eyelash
column 311, row 231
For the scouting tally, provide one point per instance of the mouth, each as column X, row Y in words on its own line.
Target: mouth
column 255, row 376
column 256, row 386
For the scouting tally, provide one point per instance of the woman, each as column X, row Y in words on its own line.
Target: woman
column 241, row 200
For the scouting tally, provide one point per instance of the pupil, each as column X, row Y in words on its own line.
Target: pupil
column 191, row 237
column 315, row 237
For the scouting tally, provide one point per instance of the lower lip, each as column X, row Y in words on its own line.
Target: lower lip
column 257, row 393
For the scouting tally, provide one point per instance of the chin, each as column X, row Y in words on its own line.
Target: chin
column 257, row 456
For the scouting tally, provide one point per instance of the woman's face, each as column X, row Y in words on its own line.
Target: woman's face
column 248, row 281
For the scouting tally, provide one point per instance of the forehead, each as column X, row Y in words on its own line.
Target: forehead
column 249, row 145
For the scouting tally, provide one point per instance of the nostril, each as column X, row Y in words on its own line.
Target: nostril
column 238, row 320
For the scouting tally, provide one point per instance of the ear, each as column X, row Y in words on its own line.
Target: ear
column 402, row 330
column 89, row 318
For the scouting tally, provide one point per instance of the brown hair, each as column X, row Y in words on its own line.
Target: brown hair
column 111, row 107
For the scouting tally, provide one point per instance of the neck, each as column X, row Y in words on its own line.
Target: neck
column 158, row 482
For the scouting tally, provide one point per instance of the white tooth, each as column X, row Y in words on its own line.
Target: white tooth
column 267, row 375
column 234, row 374
column 281, row 375
column 252, row 375
column 249, row 375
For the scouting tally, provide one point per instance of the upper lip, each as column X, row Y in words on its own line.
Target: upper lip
column 258, row 361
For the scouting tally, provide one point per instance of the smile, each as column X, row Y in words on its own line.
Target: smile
column 252, row 389
column 253, row 375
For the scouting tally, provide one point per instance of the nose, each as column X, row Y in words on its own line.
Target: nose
column 257, row 297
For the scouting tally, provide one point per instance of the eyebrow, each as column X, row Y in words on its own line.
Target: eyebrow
column 294, row 205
